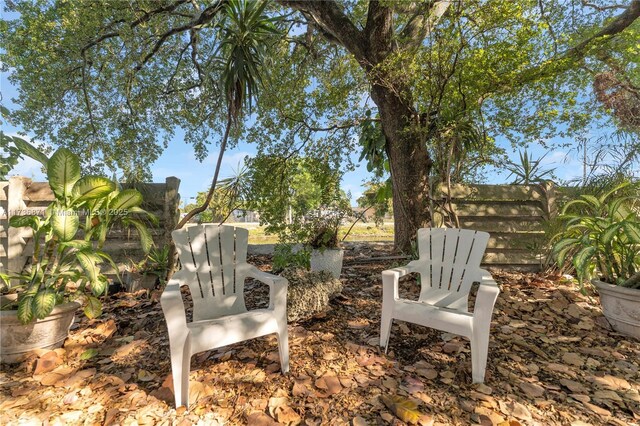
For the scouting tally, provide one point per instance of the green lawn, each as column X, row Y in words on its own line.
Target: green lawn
column 360, row 232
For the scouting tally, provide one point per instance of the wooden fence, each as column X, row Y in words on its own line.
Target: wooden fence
column 22, row 196
column 514, row 215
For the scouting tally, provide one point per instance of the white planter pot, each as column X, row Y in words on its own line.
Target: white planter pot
column 329, row 260
column 621, row 307
column 50, row 332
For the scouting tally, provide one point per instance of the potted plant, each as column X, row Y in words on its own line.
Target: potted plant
column 147, row 273
column 602, row 236
column 326, row 253
column 39, row 303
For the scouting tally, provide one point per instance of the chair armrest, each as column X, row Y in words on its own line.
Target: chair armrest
column 173, row 307
column 277, row 286
column 486, row 298
column 391, row 278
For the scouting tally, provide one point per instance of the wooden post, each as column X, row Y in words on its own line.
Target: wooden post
column 171, row 206
column 4, row 226
column 16, row 236
column 550, row 204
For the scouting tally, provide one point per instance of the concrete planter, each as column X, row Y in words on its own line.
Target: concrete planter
column 329, row 260
column 17, row 339
column 621, row 307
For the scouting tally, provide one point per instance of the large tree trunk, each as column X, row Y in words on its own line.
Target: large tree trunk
column 410, row 166
column 371, row 46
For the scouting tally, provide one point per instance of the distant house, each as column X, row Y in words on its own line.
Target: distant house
column 244, row 216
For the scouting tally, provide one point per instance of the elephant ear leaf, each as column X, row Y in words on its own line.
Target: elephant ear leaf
column 25, row 310
column 88, row 264
column 63, row 171
column 43, row 303
column 632, row 231
column 126, row 199
column 92, row 187
column 146, row 240
column 30, row 151
column 93, row 308
column 28, row 220
column 65, row 224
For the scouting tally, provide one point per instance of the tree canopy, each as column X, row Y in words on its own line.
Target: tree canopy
column 113, row 80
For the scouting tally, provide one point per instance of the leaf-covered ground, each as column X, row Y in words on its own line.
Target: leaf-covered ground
column 553, row 360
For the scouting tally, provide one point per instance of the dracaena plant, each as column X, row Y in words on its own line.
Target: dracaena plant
column 69, row 236
column 602, row 237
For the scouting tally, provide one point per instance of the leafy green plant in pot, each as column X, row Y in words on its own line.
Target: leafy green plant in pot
column 326, row 254
column 602, row 239
column 64, row 270
column 152, row 269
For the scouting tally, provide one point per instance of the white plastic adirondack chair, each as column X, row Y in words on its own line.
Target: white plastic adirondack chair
column 449, row 264
column 214, row 266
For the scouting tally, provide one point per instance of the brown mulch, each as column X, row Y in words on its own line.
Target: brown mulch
column 553, row 360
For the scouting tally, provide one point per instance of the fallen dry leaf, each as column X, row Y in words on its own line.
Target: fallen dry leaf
column 329, row 384
column 405, row 409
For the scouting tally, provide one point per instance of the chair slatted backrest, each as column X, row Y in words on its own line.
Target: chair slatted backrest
column 446, row 257
column 209, row 255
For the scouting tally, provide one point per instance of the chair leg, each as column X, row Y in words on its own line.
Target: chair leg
column 385, row 329
column 180, row 366
column 479, row 353
column 283, row 347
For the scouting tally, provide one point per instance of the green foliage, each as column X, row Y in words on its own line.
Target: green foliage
column 285, row 256
column 379, row 197
column 14, row 148
column 230, row 194
column 322, row 226
column 528, row 171
column 156, row 262
column 245, row 31
column 115, row 82
column 602, row 236
column 64, row 265
column 287, row 192
column 373, row 145
column 459, row 146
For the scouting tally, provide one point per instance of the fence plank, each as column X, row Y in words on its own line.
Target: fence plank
column 494, row 192
column 512, row 214
column 498, row 208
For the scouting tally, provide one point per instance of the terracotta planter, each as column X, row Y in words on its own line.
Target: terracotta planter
column 621, row 307
column 329, row 260
column 17, row 339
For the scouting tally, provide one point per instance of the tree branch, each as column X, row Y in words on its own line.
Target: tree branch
column 619, row 24
column 206, row 16
column 602, row 8
column 379, row 31
column 419, row 26
column 324, row 129
column 569, row 57
column 144, row 18
column 331, row 19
